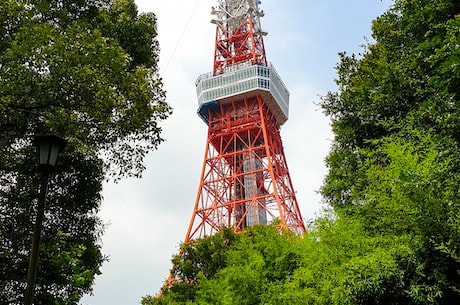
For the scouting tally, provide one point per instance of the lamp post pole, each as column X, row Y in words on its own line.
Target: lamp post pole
column 33, row 260
column 48, row 147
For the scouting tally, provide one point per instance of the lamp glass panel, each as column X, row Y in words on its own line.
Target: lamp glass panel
column 44, row 152
column 54, row 152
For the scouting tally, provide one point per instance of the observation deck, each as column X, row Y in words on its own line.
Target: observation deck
column 243, row 81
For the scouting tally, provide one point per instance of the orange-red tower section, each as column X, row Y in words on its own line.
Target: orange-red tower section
column 245, row 179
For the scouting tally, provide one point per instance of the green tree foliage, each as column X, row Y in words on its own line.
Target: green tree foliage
column 86, row 71
column 395, row 155
column 393, row 233
column 335, row 263
column 229, row 268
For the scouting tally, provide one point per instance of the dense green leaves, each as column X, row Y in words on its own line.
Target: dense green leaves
column 395, row 157
column 336, row 263
column 82, row 84
column 85, row 70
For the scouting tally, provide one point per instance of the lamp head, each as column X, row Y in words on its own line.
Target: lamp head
column 48, row 148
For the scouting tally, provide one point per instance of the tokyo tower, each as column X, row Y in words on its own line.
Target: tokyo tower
column 245, row 178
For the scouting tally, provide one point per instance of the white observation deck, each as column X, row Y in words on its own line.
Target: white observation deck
column 243, row 81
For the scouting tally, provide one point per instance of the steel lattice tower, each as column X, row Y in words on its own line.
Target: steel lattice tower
column 245, row 179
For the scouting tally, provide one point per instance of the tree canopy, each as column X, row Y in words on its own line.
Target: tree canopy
column 392, row 234
column 395, row 156
column 85, row 70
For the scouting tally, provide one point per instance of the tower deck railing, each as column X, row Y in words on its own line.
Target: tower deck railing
column 245, row 80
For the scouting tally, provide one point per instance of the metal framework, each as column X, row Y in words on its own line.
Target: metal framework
column 245, row 179
column 239, row 37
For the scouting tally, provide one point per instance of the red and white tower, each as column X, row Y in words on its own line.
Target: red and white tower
column 245, row 179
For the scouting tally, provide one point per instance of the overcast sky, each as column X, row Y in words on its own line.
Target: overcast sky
column 148, row 217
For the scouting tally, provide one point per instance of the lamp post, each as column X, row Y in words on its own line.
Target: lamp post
column 48, row 147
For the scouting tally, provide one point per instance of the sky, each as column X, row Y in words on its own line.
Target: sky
column 147, row 218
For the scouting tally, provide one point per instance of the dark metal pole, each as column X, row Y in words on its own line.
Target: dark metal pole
column 33, row 261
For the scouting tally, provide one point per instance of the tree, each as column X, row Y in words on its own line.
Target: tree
column 336, row 262
column 229, row 268
column 395, row 154
column 86, row 71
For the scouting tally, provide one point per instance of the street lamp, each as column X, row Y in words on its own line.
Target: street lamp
column 48, row 147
